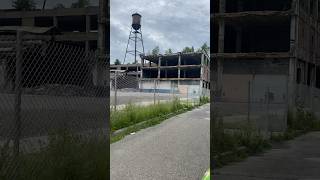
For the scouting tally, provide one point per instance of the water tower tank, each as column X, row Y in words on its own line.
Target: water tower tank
column 136, row 19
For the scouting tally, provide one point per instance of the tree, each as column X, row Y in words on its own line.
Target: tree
column 59, row 6
column 80, row 4
column 156, row 50
column 169, row 51
column 204, row 47
column 188, row 49
column 117, row 62
column 23, row 4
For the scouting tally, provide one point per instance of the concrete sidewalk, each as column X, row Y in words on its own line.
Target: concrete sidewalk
column 298, row 159
column 178, row 148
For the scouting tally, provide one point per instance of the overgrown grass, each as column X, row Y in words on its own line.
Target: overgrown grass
column 204, row 100
column 134, row 117
column 133, row 114
column 244, row 135
column 303, row 120
column 248, row 138
column 66, row 157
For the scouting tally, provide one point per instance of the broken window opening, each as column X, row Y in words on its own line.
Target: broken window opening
column 72, row 23
column 150, row 73
column 43, row 21
column 190, row 73
column 191, row 60
column 259, row 38
column 94, row 22
column 170, row 61
column 169, row 73
column 10, row 22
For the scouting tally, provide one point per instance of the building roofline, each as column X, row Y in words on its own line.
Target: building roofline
column 91, row 10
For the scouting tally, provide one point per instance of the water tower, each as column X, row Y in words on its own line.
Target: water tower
column 135, row 37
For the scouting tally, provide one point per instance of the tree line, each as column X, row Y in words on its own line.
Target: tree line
column 156, row 51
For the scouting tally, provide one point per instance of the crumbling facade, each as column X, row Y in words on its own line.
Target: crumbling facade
column 79, row 26
column 273, row 43
column 180, row 73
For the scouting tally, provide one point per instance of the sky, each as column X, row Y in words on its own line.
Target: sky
column 168, row 24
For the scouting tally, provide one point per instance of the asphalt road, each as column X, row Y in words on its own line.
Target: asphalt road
column 298, row 159
column 178, row 148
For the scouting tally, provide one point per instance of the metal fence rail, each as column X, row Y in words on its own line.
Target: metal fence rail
column 126, row 89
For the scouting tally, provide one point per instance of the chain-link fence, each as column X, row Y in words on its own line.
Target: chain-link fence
column 130, row 89
column 257, row 103
column 48, row 90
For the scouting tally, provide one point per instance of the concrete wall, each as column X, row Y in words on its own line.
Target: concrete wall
column 275, row 84
column 235, row 87
column 186, row 88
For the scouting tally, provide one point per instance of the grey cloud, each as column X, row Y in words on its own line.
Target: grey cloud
column 166, row 23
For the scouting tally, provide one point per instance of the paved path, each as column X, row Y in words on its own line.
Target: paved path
column 298, row 159
column 178, row 148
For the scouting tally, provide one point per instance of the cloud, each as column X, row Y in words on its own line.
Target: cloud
column 165, row 23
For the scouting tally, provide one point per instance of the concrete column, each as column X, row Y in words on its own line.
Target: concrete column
column 55, row 21
column 159, row 65
column 218, row 90
column 28, row 21
column 166, row 71
column 88, row 24
column 293, row 60
column 202, row 65
column 220, row 60
column 179, row 64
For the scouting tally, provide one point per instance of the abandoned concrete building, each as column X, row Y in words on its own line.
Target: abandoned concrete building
column 74, row 27
column 179, row 73
column 273, row 44
column 79, row 26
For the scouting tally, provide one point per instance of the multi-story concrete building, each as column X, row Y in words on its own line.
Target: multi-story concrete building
column 179, row 72
column 274, row 44
column 78, row 26
column 71, row 26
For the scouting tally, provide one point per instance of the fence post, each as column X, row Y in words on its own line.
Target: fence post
column 249, row 101
column 154, row 92
column 115, row 90
column 268, row 99
column 187, row 96
column 17, row 104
